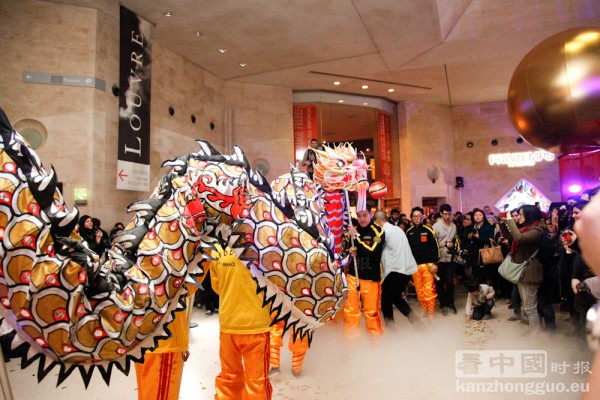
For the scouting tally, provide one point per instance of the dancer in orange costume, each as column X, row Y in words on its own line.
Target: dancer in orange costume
column 368, row 241
column 244, row 326
column 159, row 376
column 424, row 246
column 297, row 346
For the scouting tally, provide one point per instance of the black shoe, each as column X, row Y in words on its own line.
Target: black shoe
column 453, row 308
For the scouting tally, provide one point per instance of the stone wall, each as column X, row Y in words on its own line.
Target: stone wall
column 426, row 141
column 82, row 123
column 437, row 136
column 485, row 184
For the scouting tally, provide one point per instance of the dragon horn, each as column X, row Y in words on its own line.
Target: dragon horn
column 238, row 154
column 206, row 149
column 66, row 224
column 147, row 208
column 5, row 125
column 42, row 187
column 179, row 165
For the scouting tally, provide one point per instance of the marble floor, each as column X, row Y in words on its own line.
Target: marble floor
column 448, row 359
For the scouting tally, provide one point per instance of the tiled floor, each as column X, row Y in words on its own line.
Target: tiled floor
column 404, row 363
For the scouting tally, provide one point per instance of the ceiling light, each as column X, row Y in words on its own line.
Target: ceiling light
column 365, row 86
column 391, row 90
column 365, row 104
column 340, row 101
column 222, row 50
column 337, row 83
column 197, row 33
column 168, row 14
column 243, row 64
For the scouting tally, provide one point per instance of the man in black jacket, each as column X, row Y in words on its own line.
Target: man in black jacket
column 368, row 244
column 424, row 246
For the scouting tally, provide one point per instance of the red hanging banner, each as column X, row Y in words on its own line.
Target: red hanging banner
column 384, row 128
column 305, row 127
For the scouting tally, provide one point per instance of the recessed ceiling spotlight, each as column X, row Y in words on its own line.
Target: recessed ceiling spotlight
column 337, row 83
column 168, row 14
column 222, row 50
column 365, row 86
column 243, row 64
column 391, row 90
column 340, row 101
column 365, row 104
column 197, row 33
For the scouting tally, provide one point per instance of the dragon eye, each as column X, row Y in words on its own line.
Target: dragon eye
column 340, row 164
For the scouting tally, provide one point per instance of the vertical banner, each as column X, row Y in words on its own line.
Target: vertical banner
column 305, row 127
column 133, row 164
column 385, row 151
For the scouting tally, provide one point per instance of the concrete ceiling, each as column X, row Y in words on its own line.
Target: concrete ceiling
column 450, row 52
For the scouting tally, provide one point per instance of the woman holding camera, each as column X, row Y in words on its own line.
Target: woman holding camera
column 526, row 241
column 93, row 237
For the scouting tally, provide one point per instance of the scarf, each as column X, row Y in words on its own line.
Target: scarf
column 514, row 247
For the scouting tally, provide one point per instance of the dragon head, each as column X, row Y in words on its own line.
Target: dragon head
column 339, row 168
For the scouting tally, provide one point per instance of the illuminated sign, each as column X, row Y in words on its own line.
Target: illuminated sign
column 81, row 196
column 523, row 192
column 524, row 159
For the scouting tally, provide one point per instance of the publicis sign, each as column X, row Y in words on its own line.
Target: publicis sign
column 523, row 159
column 133, row 164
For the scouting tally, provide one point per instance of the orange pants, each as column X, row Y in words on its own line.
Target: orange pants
column 159, row 377
column 370, row 292
column 298, row 347
column 425, row 288
column 244, row 367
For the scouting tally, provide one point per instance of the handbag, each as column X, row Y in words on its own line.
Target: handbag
column 512, row 271
column 491, row 254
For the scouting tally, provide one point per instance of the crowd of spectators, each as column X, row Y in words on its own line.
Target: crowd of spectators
column 567, row 287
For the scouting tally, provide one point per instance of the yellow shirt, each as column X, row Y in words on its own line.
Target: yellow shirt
column 179, row 328
column 240, row 308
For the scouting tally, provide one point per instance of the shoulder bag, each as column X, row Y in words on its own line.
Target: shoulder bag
column 516, row 272
column 491, row 254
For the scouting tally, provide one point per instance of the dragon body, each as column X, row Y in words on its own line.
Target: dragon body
column 77, row 310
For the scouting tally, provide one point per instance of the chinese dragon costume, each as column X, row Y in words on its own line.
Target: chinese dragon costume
column 77, row 310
